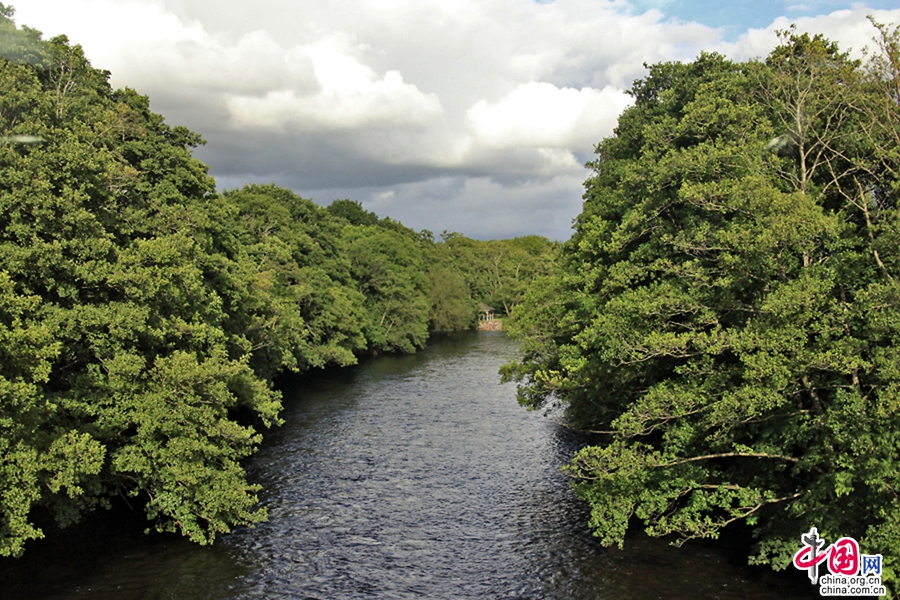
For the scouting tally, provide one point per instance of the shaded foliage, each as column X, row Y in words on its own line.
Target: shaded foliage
column 498, row 272
column 143, row 316
column 120, row 374
column 727, row 310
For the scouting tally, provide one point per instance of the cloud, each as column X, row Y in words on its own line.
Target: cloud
column 480, row 207
column 349, row 95
column 261, row 84
column 849, row 27
column 492, row 103
column 539, row 114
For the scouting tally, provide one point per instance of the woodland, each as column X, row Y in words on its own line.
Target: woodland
column 725, row 319
column 726, row 316
column 144, row 316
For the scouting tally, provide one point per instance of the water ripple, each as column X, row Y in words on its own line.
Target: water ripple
column 404, row 477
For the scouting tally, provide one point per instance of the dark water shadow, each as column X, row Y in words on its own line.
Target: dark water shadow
column 402, row 477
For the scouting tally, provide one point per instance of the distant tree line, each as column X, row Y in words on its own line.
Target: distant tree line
column 143, row 315
column 726, row 317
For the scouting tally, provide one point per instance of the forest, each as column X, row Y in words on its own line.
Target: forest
column 726, row 317
column 724, row 321
column 144, row 316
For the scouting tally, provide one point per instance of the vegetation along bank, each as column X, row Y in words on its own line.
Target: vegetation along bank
column 727, row 312
column 143, row 315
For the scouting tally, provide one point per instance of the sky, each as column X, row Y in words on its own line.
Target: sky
column 474, row 116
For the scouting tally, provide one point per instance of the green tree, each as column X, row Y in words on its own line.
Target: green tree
column 301, row 308
column 727, row 312
column 353, row 212
column 514, row 265
column 452, row 307
column 497, row 272
column 389, row 272
column 20, row 45
column 119, row 376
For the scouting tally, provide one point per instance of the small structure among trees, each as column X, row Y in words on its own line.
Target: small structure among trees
column 486, row 313
column 486, row 319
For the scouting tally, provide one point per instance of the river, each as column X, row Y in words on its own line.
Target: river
column 403, row 477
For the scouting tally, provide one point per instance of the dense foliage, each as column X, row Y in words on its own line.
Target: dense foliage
column 143, row 316
column 728, row 312
column 498, row 272
column 121, row 360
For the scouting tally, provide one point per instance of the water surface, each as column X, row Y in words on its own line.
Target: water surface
column 403, row 477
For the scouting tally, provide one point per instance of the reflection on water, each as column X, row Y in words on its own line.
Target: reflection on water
column 404, row 477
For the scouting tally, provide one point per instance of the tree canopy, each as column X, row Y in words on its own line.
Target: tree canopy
column 727, row 314
column 144, row 316
column 119, row 369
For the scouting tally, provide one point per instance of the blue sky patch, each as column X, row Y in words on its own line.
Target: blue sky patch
column 737, row 16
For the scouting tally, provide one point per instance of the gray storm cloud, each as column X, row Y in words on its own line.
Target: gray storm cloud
column 469, row 115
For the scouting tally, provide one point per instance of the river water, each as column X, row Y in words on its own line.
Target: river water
column 403, row 477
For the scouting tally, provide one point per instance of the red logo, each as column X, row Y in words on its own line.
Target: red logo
column 844, row 557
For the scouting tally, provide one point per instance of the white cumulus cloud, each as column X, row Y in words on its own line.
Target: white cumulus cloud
column 539, row 114
column 349, row 95
column 850, row 28
column 496, row 102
